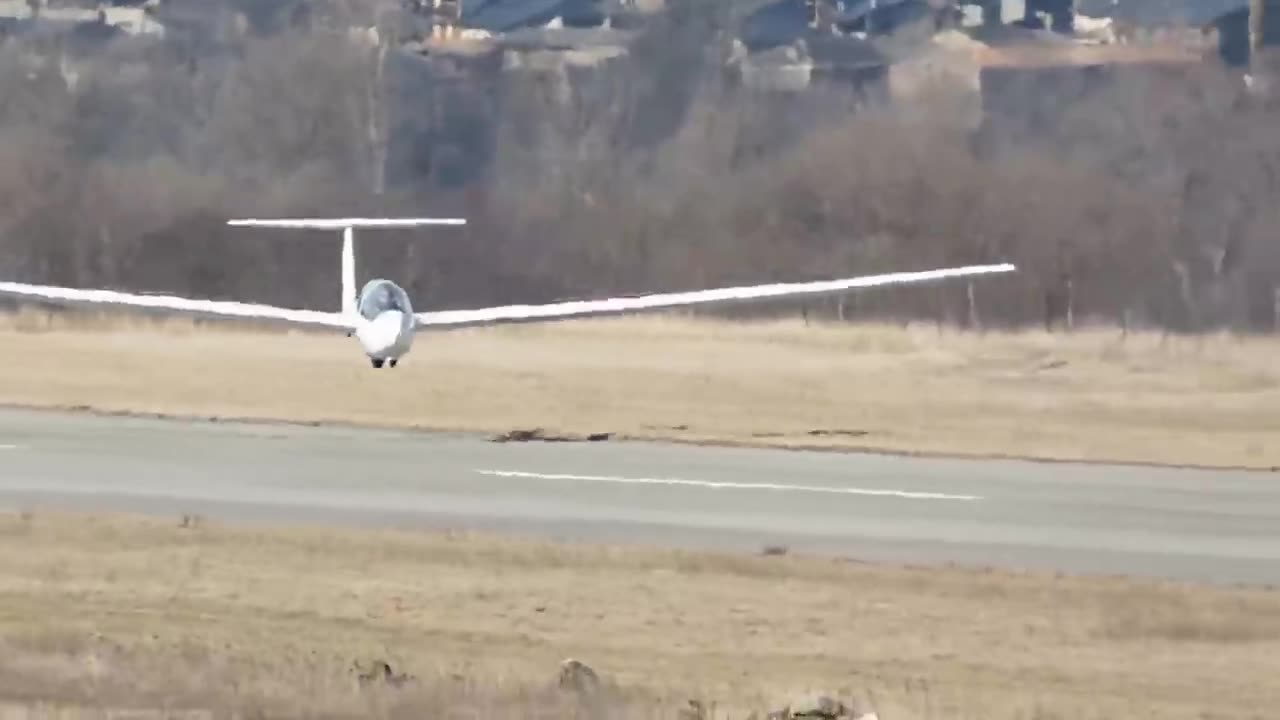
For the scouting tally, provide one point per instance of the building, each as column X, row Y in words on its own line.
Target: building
column 1024, row 88
column 81, row 27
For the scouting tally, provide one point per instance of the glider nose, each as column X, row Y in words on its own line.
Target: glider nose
column 381, row 335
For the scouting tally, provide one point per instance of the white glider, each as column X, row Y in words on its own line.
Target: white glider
column 381, row 315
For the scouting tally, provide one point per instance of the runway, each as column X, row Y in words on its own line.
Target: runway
column 1217, row 526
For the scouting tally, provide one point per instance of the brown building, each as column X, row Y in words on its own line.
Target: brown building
column 1024, row 88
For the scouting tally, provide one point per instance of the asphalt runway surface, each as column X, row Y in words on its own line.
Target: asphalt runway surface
column 1217, row 526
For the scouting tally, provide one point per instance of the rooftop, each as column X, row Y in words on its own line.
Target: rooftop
column 1073, row 54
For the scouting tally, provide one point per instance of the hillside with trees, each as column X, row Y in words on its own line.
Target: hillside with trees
column 1144, row 204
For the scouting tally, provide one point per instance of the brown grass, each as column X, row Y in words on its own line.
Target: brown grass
column 119, row 611
column 1093, row 395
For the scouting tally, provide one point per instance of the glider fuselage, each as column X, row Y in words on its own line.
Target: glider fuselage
column 385, row 323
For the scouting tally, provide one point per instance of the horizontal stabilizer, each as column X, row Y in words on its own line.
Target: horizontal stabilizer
column 343, row 223
column 723, row 296
column 348, row 227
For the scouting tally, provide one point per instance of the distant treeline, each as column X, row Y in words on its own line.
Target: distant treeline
column 1146, row 203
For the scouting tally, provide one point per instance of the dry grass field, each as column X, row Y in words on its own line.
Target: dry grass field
column 129, row 612
column 1092, row 395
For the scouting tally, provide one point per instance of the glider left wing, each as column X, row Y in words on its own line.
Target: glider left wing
column 179, row 305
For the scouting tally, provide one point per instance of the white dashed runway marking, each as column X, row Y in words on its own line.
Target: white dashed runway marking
column 777, row 487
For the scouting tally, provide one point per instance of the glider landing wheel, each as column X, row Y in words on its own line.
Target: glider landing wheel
column 376, row 362
column 392, row 362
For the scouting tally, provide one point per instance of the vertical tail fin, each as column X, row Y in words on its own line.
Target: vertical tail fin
column 348, row 272
column 348, row 227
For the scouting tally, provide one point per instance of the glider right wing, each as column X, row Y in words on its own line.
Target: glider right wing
column 723, row 296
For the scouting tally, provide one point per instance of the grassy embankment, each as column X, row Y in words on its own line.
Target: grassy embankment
column 1092, row 395
column 126, row 612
